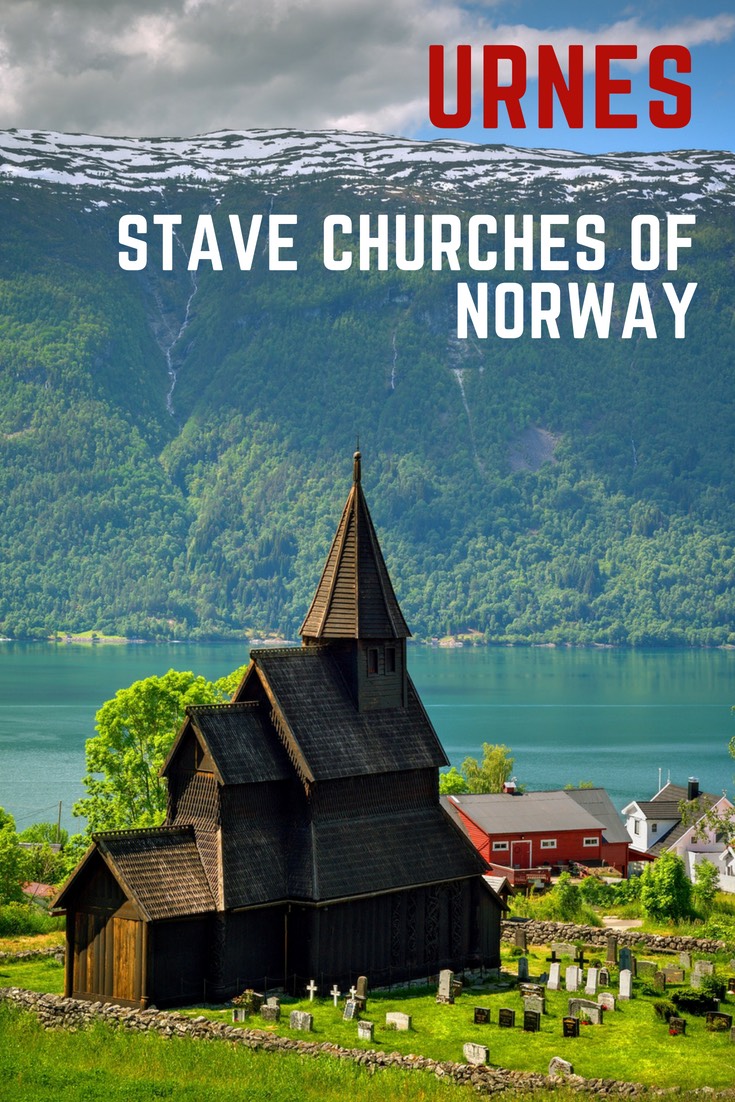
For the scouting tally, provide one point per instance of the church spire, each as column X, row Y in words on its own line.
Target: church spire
column 354, row 598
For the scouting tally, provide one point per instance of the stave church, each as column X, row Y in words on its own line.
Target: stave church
column 304, row 837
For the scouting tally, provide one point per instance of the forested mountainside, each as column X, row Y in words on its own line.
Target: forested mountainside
column 176, row 445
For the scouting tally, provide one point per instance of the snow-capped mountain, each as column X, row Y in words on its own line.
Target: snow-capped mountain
column 362, row 162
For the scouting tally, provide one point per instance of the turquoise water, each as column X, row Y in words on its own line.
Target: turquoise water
column 612, row 717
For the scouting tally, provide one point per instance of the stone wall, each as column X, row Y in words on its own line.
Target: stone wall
column 543, row 933
column 56, row 951
column 55, row 1012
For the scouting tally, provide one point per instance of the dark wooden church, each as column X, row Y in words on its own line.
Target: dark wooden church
column 304, row 835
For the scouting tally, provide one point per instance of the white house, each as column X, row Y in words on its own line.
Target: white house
column 656, row 826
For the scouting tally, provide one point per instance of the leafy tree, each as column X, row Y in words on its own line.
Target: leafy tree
column 44, row 832
column 134, row 734
column 12, row 866
column 666, row 891
column 706, row 885
column 568, row 897
column 489, row 774
column 452, row 783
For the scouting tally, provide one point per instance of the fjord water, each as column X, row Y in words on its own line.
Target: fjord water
column 613, row 717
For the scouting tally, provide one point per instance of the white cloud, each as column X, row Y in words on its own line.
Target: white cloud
column 188, row 66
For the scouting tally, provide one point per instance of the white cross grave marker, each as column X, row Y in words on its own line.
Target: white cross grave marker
column 335, row 993
column 353, row 992
column 312, row 988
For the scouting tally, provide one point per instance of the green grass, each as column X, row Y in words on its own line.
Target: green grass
column 631, row 1045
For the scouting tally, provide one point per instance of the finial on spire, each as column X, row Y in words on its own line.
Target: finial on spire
column 356, row 470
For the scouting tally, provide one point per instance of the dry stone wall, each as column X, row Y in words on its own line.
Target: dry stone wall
column 543, row 933
column 55, row 1012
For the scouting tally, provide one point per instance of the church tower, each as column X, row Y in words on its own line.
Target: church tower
column 355, row 612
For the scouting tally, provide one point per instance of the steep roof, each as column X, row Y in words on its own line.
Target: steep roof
column 241, row 742
column 158, row 868
column 355, row 598
column 324, row 733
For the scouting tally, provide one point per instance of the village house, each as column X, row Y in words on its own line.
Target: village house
column 529, row 836
column 304, row 837
column 658, row 826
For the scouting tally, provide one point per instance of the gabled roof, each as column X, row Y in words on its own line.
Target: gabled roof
column 531, row 812
column 599, row 804
column 355, row 598
column 324, row 733
column 159, row 869
column 241, row 742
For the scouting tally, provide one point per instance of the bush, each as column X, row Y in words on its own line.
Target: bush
column 18, row 919
column 694, row 1000
column 664, row 1010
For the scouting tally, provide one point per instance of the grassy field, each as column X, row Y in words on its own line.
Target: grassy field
column 632, row 1044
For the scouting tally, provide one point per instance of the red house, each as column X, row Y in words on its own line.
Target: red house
column 527, row 836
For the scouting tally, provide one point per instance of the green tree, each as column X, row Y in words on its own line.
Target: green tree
column 706, row 885
column 452, row 783
column 135, row 731
column 489, row 774
column 568, row 897
column 666, row 891
column 12, row 864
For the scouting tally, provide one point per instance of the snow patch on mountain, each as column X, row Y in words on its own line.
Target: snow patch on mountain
column 361, row 160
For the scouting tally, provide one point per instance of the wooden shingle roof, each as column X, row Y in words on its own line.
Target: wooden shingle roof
column 355, row 598
column 160, row 868
column 241, row 742
column 326, row 736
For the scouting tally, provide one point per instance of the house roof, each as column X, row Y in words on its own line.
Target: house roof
column 658, row 809
column 531, row 812
column 324, row 733
column 599, row 805
column 666, row 805
column 158, row 868
column 354, row 598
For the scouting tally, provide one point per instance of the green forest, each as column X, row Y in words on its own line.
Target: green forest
column 176, row 446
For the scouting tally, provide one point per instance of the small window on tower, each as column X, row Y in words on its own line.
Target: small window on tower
column 372, row 660
column 390, row 659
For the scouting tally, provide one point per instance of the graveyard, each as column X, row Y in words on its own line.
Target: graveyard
column 520, row 1017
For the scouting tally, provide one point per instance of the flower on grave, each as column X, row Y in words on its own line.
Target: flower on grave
column 248, row 1001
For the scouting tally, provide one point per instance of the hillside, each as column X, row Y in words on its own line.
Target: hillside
column 176, row 444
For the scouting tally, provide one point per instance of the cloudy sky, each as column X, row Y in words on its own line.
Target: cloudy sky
column 180, row 67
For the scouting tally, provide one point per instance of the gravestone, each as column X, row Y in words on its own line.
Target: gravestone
column 606, row 1000
column 273, row 1000
column 732, row 1036
column 570, row 1027
column 301, row 1020
column 350, row 1011
column 677, row 1026
column 571, row 978
column 532, row 989
column 626, row 984
column 674, row 975
column 365, row 1031
column 701, row 968
column 558, row 1068
column 335, row 993
column 590, row 987
column 521, row 938
column 456, row 988
column 604, row 977
column 270, row 1013
column 361, row 992
column 506, row 1018
column 523, row 968
column 685, row 960
column 475, row 1054
column 659, row 982
column 717, row 1022
column 646, row 968
column 731, row 985
column 554, row 976
column 531, row 1021
column 612, row 949
column 563, row 949
column 312, row 988
column 535, row 1003
column 396, row 1020
column 444, row 994
column 586, row 1008
column 482, row 1015
column 625, row 959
